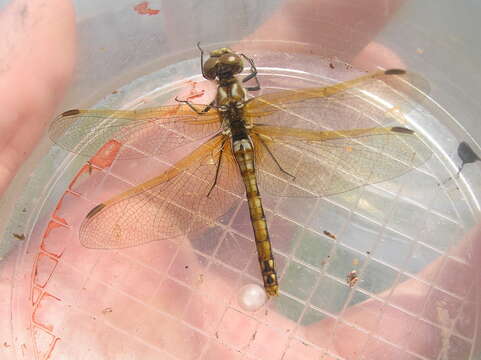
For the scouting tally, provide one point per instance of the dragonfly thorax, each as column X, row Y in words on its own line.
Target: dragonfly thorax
column 231, row 95
column 233, row 120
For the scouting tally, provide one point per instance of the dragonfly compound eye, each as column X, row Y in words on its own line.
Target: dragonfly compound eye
column 231, row 61
column 223, row 63
column 220, row 52
column 211, row 67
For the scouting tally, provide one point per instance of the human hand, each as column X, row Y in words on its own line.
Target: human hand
column 38, row 54
column 136, row 310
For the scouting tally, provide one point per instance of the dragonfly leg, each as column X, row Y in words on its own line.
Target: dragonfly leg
column 218, row 168
column 275, row 160
column 199, row 112
column 202, row 60
column 252, row 75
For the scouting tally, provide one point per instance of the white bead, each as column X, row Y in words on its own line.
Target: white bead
column 251, row 297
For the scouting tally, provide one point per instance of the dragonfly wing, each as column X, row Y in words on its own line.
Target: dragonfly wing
column 179, row 201
column 377, row 96
column 307, row 163
column 143, row 132
column 323, row 141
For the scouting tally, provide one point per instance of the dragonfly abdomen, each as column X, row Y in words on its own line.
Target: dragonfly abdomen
column 244, row 155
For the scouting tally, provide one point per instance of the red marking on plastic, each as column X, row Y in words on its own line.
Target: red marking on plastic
column 87, row 168
column 51, row 248
column 45, row 240
column 199, row 94
column 143, row 9
column 43, row 269
column 58, row 207
column 36, row 292
column 52, row 225
column 106, row 155
column 43, row 301
column 194, row 93
column 45, row 342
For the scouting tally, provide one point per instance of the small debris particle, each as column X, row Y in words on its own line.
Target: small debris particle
column 19, row 236
column 420, row 51
column 331, row 65
column 368, row 252
column 6, row 345
column 90, row 166
column 466, row 154
column 331, row 235
column 325, row 261
column 107, row 310
column 115, row 92
column 352, row 278
column 24, row 210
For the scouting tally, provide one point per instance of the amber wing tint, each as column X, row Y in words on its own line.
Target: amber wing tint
column 152, row 131
column 176, row 202
column 309, row 142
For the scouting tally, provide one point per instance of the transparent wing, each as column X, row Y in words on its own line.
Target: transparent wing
column 306, row 163
column 179, row 201
column 327, row 140
column 151, row 131
column 366, row 101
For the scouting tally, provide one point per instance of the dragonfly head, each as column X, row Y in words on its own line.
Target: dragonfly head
column 223, row 63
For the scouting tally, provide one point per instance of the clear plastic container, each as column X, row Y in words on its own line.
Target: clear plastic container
column 386, row 271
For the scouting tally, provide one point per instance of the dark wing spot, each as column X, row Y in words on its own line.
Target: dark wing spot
column 402, row 130
column 95, row 210
column 395, row 72
column 71, row 112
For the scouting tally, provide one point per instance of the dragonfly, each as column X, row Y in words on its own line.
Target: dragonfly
column 306, row 142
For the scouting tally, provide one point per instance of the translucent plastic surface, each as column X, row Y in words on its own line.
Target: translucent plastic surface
column 383, row 271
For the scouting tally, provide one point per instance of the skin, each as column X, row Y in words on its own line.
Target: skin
column 46, row 31
column 38, row 53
